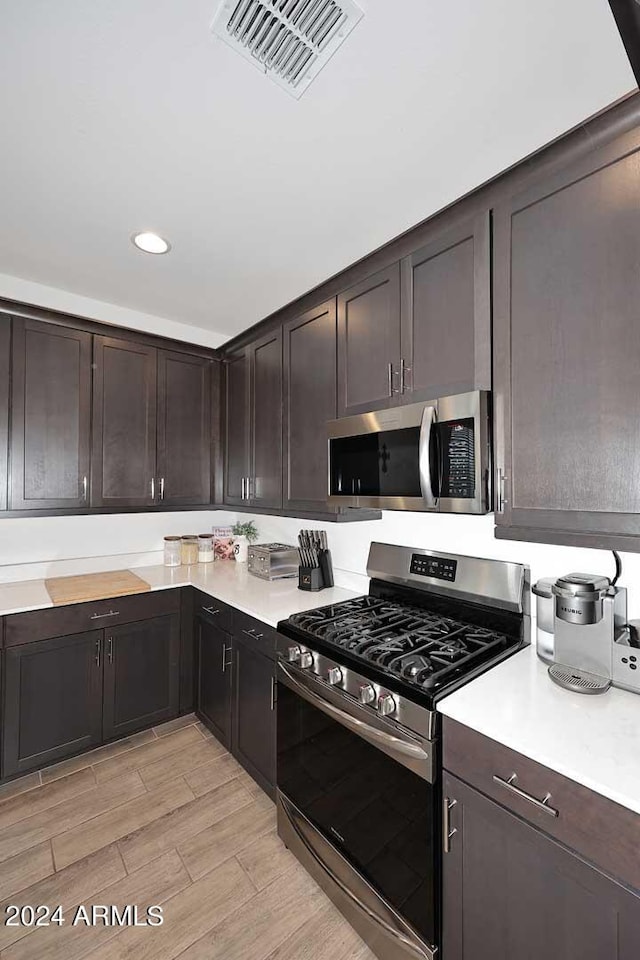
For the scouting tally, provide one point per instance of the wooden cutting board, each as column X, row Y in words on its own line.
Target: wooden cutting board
column 94, row 586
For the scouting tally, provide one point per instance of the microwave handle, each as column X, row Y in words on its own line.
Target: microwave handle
column 424, row 457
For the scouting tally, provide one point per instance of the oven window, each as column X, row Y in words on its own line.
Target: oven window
column 381, row 464
column 381, row 816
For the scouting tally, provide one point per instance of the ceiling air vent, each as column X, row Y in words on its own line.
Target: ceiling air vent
column 289, row 40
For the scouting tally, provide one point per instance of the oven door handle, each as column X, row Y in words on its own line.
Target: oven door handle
column 429, row 418
column 407, row 751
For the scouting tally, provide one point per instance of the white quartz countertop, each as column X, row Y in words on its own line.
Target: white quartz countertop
column 594, row 740
column 225, row 580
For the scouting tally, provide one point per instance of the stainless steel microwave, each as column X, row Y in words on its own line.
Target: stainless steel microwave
column 423, row 456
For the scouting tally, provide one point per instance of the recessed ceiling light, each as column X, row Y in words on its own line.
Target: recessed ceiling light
column 150, row 242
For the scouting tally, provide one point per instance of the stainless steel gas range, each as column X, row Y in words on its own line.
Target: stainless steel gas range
column 359, row 799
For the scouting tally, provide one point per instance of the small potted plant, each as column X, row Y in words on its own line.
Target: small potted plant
column 243, row 535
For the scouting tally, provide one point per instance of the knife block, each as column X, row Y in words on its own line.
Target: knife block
column 310, row 578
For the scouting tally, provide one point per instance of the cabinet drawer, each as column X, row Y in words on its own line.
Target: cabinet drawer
column 78, row 617
column 255, row 632
column 598, row 829
column 204, row 605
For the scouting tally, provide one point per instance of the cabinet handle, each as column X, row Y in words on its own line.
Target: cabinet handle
column 501, row 500
column 153, row 488
column 84, row 488
column 101, row 616
column 110, row 650
column 447, row 832
column 242, row 484
column 211, row 610
column 225, row 663
column 162, row 488
column 510, row 785
column 273, row 693
column 390, row 378
column 404, row 370
column 254, row 636
column 98, row 651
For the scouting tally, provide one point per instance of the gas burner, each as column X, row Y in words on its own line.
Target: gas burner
column 420, row 646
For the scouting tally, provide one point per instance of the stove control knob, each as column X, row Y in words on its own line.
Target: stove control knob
column 386, row 704
column 334, row 676
column 293, row 654
column 366, row 693
column 306, row 659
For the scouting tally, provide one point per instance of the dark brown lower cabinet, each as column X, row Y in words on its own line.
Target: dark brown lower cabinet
column 141, row 675
column 236, row 687
column 512, row 893
column 53, row 700
column 254, row 715
column 214, row 659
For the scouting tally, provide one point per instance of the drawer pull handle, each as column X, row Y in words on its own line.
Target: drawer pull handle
column 101, row 616
column 251, row 633
column 211, row 610
column 510, row 785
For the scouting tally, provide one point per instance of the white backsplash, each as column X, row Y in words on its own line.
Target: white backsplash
column 39, row 547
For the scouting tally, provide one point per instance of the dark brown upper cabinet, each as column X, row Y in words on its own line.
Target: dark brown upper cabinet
column 184, row 429
column 309, row 402
column 5, row 346
column 446, row 313
column 50, row 416
column 567, row 351
column 253, row 424
column 124, row 424
column 236, row 427
column 265, row 478
column 369, row 343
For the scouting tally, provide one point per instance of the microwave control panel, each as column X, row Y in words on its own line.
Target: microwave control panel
column 442, row 568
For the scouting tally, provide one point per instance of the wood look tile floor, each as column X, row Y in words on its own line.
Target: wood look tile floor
column 166, row 817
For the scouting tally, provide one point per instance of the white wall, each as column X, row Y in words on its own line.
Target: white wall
column 53, row 298
column 33, row 548
column 349, row 543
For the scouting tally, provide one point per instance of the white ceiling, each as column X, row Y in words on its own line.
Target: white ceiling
column 123, row 115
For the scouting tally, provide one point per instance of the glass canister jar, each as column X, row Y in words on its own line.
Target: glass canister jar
column 189, row 549
column 172, row 551
column 205, row 548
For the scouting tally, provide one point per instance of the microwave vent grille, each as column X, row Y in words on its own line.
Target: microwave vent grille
column 288, row 40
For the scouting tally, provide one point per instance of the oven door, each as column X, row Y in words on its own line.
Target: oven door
column 355, row 811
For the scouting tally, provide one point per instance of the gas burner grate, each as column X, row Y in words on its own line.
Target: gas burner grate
column 420, row 647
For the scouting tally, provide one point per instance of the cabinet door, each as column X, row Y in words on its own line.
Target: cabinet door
column 369, row 343
column 266, row 421
column 236, row 428
column 5, row 343
column 310, row 344
column 53, row 700
column 215, row 666
column 124, row 424
column 567, row 353
column 446, row 313
column 51, row 416
column 254, row 717
column 141, row 675
column 184, row 429
column 511, row 893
